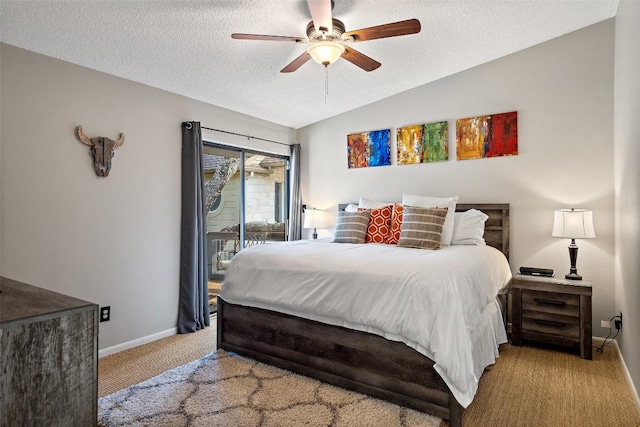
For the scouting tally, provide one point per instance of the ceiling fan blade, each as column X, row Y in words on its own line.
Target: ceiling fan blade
column 296, row 63
column 321, row 14
column 401, row 28
column 239, row 36
column 360, row 59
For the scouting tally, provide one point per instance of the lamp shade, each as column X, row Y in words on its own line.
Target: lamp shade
column 573, row 224
column 314, row 218
column 325, row 52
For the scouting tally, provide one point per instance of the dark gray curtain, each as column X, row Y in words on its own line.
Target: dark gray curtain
column 295, row 206
column 193, row 309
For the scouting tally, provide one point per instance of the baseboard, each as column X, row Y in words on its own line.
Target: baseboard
column 134, row 343
column 627, row 376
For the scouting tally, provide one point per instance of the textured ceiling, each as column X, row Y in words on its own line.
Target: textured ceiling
column 185, row 47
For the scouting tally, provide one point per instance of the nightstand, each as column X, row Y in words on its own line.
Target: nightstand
column 553, row 311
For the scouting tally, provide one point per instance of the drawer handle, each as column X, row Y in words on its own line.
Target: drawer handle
column 549, row 323
column 549, row 301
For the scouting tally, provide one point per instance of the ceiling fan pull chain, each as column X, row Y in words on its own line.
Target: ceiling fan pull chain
column 326, row 83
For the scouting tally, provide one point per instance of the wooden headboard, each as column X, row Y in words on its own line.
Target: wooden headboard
column 496, row 229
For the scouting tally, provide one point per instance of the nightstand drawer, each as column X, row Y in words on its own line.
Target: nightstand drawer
column 551, row 302
column 548, row 323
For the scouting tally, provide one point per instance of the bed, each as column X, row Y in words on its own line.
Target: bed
column 364, row 358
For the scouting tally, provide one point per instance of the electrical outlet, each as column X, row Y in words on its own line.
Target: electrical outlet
column 618, row 322
column 605, row 324
column 105, row 314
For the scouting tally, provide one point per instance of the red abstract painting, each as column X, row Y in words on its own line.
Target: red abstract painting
column 504, row 135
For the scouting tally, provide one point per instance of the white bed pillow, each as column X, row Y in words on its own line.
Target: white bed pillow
column 435, row 202
column 351, row 207
column 468, row 228
column 372, row 204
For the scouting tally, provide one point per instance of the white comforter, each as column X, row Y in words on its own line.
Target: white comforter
column 430, row 300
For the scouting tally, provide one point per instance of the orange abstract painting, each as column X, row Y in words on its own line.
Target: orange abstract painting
column 357, row 152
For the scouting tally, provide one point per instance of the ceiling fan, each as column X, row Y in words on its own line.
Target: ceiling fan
column 328, row 41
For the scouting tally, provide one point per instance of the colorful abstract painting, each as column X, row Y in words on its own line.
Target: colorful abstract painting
column 436, row 142
column 487, row 136
column 369, row 149
column 410, row 143
column 423, row 143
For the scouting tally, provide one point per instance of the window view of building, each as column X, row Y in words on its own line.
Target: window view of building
column 247, row 202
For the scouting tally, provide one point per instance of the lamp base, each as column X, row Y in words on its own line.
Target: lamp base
column 573, row 257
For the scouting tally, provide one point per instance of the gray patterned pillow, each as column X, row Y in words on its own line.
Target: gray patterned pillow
column 351, row 227
column 422, row 227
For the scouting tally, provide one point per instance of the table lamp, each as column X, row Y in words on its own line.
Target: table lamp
column 573, row 224
column 314, row 218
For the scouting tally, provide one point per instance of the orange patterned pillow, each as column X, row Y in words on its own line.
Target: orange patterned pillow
column 379, row 224
column 396, row 224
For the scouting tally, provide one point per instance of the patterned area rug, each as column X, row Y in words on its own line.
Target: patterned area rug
column 224, row 389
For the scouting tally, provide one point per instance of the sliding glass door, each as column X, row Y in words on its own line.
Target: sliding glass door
column 247, row 200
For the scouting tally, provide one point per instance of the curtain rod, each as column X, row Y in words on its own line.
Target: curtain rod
column 245, row 136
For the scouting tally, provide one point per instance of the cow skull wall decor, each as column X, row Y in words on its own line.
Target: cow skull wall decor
column 102, row 149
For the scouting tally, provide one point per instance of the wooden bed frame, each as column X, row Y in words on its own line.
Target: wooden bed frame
column 351, row 359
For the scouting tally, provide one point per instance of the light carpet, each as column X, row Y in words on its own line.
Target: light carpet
column 224, row 389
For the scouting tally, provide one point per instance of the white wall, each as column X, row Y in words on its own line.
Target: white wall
column 563, row 92
column 0, row 163
column 627, row 182
column 116, row 240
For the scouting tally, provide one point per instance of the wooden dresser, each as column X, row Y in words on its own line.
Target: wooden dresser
column 48, row 357
column 551, row 310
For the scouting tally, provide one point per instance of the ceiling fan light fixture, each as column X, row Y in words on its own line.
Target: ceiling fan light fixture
column 325, row 52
